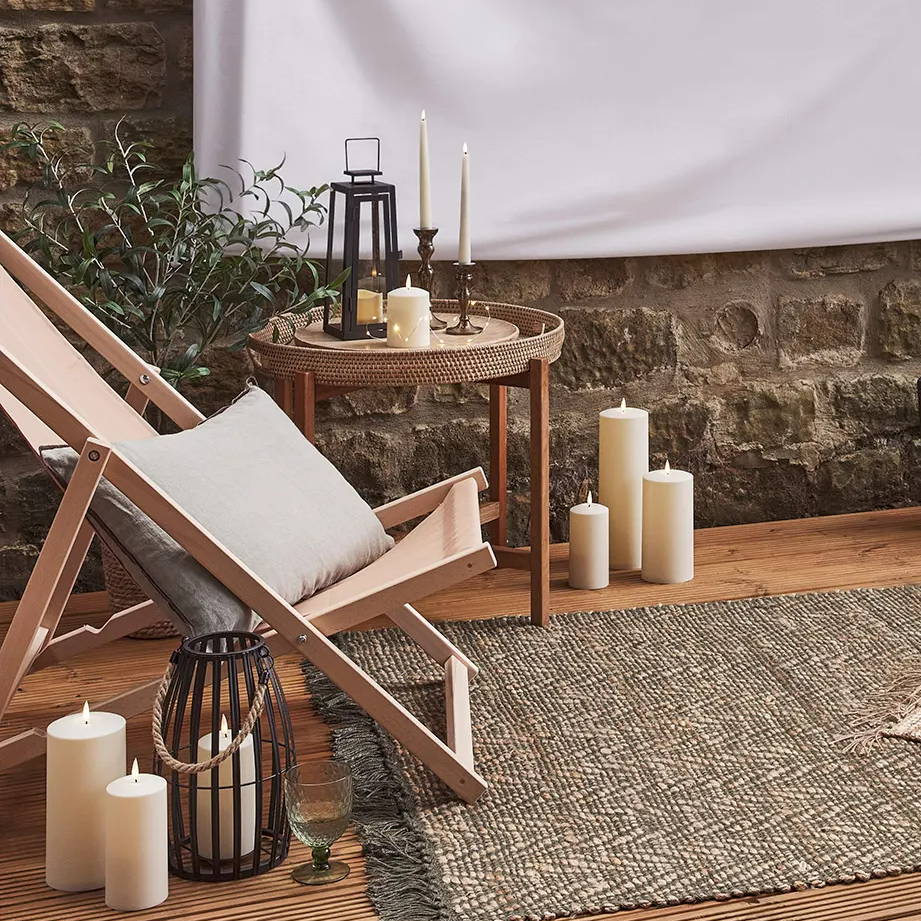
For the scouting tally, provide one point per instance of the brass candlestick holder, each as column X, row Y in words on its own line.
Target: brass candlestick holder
column 464, row 325
column 426, row 276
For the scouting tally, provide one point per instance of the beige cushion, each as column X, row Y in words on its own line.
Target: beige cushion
column 250, row 478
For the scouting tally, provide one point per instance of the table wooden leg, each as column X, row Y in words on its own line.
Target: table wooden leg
column 305, row 403
column 498, row 461
column 539, row 370
column 284, row 394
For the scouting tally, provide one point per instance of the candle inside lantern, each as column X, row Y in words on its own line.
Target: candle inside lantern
column 204, row 801
column 425, row 192
column 85, row 752
column 463, row 246
column 668, row 526
column 588, row 545
column 137, row 876
column 370, row 305
column 408, row 317
column 623, row 458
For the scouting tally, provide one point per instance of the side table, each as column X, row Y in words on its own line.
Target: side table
column 303, row 376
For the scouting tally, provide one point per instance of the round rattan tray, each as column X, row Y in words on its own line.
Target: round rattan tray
column 541, row 336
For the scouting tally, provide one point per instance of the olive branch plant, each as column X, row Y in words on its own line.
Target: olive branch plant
column 174, row 265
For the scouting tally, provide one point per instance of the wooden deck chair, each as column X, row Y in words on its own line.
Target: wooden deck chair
column 54, row 396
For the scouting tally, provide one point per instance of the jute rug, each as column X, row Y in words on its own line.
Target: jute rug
column 645, row 757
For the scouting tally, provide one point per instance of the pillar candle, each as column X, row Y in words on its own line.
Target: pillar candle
column 425, row 192
column 463, row 246
column 203, row 803
column 588, row 545
column 408, row 317
column 623, row 458
column 668, row 526
column 137, row 875
column 86, row 751
column 370, row 302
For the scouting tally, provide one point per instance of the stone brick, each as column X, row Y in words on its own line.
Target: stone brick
column 81, row 68
column 577, row 279
column 875, row 404
column 384, row 401
column 825, row 330
column 16, row 562
column 900, row 320
column 47, row 6
column 732, row 495
column 736, row 327
column 72, row 144
column 185, row 54
column 510, row 282
column 148, row 6
column 822, row 261
column 867, row 478
column 36, row 501
column 608, row 347
column 680, row 430
column 677, row 272
column 766, row 416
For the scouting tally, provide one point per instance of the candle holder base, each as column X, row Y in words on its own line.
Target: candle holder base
column 464, row 325
column 426, row 274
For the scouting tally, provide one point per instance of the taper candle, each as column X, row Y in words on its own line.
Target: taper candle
column 85, row 752
column 425, row 191
column 137, row 875
column 623, row 458
column 668, row 526
column 463, row 246
column 588, row 545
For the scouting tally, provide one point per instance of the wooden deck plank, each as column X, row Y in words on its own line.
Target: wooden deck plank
column 867, row 549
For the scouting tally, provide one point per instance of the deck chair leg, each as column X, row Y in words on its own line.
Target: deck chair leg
column 69, row 575
column 35, row 619
column 432, row 640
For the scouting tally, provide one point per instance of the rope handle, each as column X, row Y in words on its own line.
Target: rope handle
column 199, row 767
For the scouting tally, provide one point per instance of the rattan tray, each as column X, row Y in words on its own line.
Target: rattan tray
column 541, row 336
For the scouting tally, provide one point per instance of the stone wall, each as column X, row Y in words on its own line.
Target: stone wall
column 784, row 380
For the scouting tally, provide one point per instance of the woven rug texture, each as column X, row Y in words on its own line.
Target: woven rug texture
column 644, row 757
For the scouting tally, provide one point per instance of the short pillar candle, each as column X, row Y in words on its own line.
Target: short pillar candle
column 623, row 458
column 668, row 526
column 408, row 317
column 85, row 752
column 588, row 545
column 137, row 875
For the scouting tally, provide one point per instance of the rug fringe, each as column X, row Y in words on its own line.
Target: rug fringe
column 885, row 709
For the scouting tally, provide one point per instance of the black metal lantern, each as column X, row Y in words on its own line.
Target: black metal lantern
column 367, row 203
column 223, row 741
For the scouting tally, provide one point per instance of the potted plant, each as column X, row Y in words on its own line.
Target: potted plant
column 175, row 265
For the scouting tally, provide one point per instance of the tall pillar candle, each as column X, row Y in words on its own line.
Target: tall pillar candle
column 588, row 545
column 623, row 458
column 137, row 875
column 408, row 317
column 425, row 192
column 85, row 752
column 204, row 803
column 668, row 526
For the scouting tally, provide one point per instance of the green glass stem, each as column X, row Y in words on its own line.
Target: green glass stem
column 321, row 858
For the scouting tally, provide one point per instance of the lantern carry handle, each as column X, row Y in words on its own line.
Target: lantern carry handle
column 199, row 767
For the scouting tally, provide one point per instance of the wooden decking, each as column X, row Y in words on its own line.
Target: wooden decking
column 874, row 548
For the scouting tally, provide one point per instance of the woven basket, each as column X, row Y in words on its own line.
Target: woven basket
column 124, row 593
column 541, row 337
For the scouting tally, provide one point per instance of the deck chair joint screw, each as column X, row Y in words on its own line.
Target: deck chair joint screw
column 144, row 378
column 93, row 455
column 302, row 638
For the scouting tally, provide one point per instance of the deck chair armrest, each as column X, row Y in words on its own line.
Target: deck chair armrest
column 425, row 500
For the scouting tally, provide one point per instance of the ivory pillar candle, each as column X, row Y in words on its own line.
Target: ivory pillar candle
column 370, row 303
column 588, row 545
column 204, row 803
column 86, row 751
column 425, row 191
column 623, row 458
column 463, row 245
column 137, row 875
column 668, row 526
column 408, row 317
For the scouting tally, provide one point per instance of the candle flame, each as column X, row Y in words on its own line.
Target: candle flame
column 409, row 282
column 224, row 727
column 588, row 500
column 623, row 403
column 422, row 116
column 396, row 327
column 667, row 466
column 86, row 711
column 465, row 149
column 135, row 771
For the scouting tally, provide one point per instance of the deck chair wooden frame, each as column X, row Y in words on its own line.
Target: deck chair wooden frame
column 53, row 395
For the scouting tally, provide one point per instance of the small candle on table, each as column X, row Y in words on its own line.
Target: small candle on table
column 205, row 802
column 86, row 751
column 370, row 306
column 463, row 246
column 425, row 192
column 668, row 526
column 623, row 458
column 588, row 545
column 137, row 875
column 408, row 317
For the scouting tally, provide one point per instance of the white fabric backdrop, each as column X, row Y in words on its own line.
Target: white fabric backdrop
column 596, row 127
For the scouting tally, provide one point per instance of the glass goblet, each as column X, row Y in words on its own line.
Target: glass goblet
column 318, row 798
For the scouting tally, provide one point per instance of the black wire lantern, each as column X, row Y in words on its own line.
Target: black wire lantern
column 223, row 741
column 367, row 202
